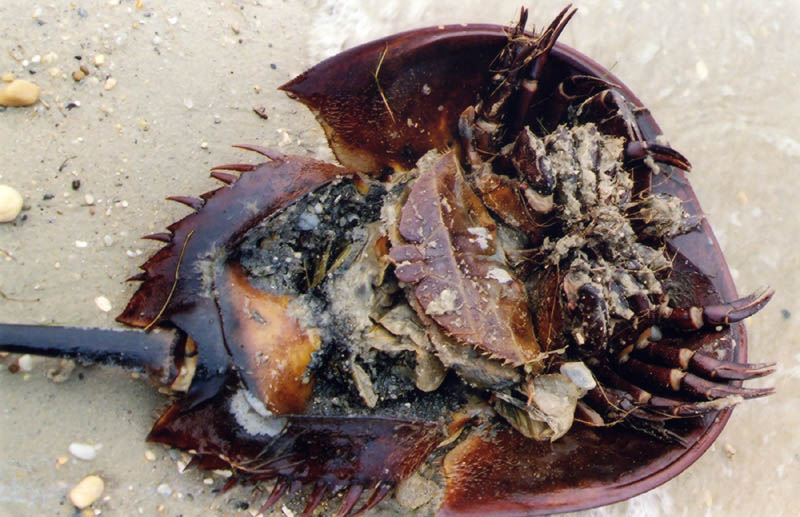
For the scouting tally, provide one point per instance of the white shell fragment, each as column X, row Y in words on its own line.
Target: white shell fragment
column 10, row 203
column 579, row 374
column 103, row 303
column 86, row 492
column 84, row 451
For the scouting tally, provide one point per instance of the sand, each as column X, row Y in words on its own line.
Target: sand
column 176, row 86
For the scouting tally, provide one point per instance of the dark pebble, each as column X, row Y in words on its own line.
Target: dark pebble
column 48, row 197
column 71, row 105
column 82, row 12
column 76, row 184
column 786, row 313
column 273, row 66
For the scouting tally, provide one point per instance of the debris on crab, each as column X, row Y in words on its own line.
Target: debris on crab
column 515, row 284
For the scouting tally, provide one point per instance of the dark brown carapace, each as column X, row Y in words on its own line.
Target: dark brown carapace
column 507, row 285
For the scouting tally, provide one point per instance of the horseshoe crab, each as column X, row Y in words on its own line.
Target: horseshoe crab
column 251, row 306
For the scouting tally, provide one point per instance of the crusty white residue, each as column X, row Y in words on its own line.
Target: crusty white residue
column 482, row 236
column 444, row 302
column 253, row 416
column 501, row 275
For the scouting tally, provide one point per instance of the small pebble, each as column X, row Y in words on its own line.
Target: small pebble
column 78, row 76
column 10, row 203
column 88, row 199
column 103, row 303
column 83, row 451
column 82, row 12
column 188, row 103
column 81, row 244
column 702, row 70
column 149, row 455
column 204, row 145
column 110, row 83
column 108, row 240
column 99, row 60
column 164, row 489
column 25, row 363
column 86, row 492
column 19, row 92
column 414, row 491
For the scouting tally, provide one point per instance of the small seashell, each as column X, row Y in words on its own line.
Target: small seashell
column 25, row 363
column 86, row 492
column 83, row 451
column 10, row 203
column 103, row 303
column 19, row 92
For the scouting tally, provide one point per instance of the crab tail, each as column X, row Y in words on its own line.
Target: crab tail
column 136, row 349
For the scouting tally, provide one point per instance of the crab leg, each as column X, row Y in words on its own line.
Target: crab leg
column 530, row 85
column 640, row 149
column 482, row 127
column 658, row 407
column 698, row 317
column 700, row 363
column 150, row 351
column 675, row 379
column 618, row 116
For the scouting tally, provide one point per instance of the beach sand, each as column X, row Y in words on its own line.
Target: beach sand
column 176, row 86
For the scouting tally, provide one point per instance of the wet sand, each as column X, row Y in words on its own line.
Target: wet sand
column 722, row 83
